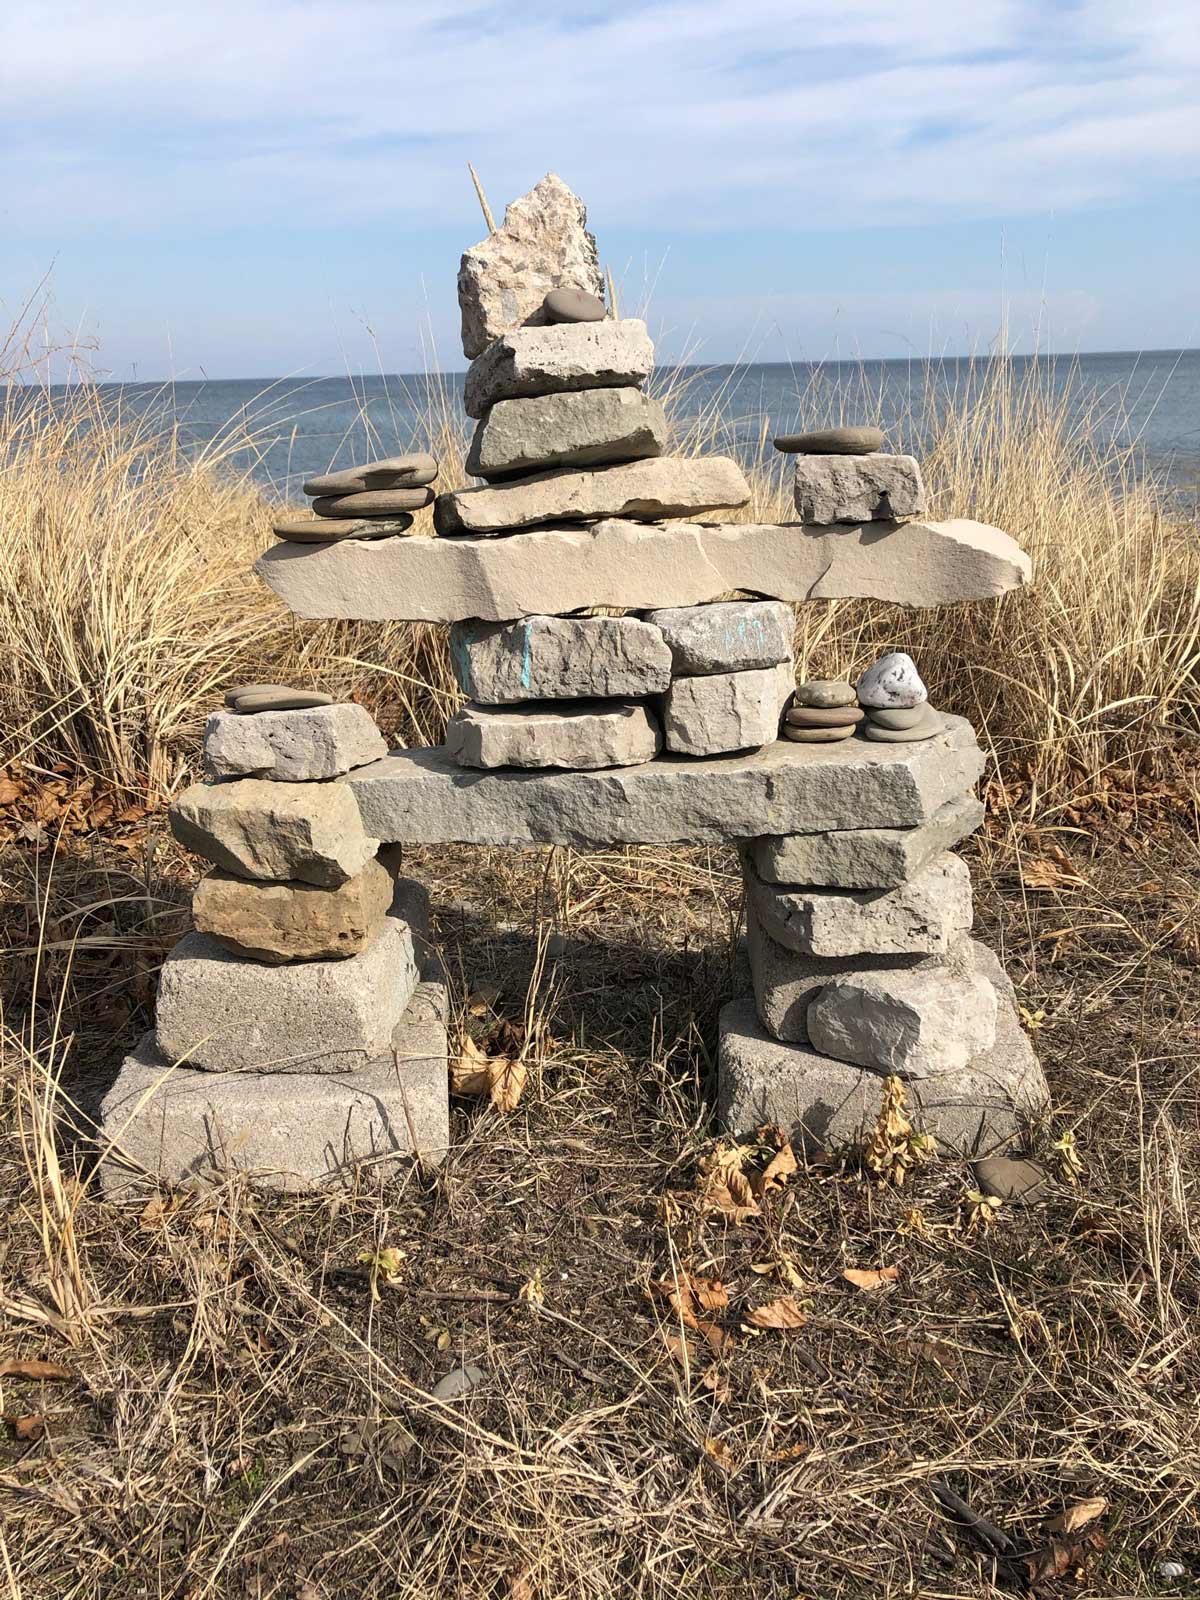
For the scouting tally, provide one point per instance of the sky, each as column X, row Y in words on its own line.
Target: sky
column 249, row 188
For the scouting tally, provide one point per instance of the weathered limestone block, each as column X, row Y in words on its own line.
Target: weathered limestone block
column 580, row 735
column 178, row 1125
column 425, row 797
column 559, row 658
column 638, row 567
column 922, row 916
column 915, row 1024
column 579, row 355
column 665, row 486
column 979, row 1108
column 258, row 829
column 731, row 636
column 580, row 429
column 276, row 922
column 866, row 858
column 542, row 244
column 858, row 488
column 726, row 711
column 291, row 746
column 222, row 1013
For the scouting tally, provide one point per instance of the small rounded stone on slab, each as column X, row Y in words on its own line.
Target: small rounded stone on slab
column 1008, row 1178
column 328, row 530
column 573, row 305
column 892, row 681
column 816, row 735
column 930, row 724
column 856, row 441
column 391, row 472
column 275, row 697
column 373, row 503
column 825, row 692
column 824, row 716
column 897, row 716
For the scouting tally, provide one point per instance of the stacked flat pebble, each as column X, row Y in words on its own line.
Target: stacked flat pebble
column 824, row 712
column 374, row 501
column 896, row 702
column 843, row 475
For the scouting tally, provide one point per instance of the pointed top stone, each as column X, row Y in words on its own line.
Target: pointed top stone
column 542, row 244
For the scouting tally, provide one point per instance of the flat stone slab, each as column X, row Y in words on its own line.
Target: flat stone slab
column 724, row 711
column 559, row 658
column 642, row 567
column 580, row 429
column 291, row 746
column 564, row 356
column 160, row 1123
column 731, row 636
column 919, row 1023
column 578, row 734
column 976, row 1110
column 425, row 797
column 845, row 488
column 264, row 830
column 277, row 922
column 866, row 858
column 665, row 486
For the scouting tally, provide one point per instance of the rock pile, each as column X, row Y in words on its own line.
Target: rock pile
column 374, row 501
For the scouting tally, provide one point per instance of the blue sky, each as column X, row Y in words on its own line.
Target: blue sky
column 268, row 186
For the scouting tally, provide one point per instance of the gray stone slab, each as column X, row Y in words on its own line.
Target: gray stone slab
column 293, row 746
column 638, row 566
column 730, row 636
column 425, row 797
column 918, row 1023
column 724, row 711
column 843, row 488
column 564, row 356
column 559, row 658
column 824, row 1103
column 181, row 1126
column 581, row 735
column 259, row 829
column 866, row 858
column 580, row 429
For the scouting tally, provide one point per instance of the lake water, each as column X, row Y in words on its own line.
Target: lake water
column 305, row 426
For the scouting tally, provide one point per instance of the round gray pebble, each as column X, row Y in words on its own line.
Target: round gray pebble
column 825, row 692
column 459, row 1382
column 923, row 730
column 824, row 716
column 897, row 716
column 373, row 503
column 572, row 305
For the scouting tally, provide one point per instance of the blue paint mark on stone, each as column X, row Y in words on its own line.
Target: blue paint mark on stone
column 527, row 656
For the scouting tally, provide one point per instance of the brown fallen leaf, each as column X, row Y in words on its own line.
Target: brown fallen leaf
column 685, row 1300
column 1064, row 1556
column 781, row 1313
column 481, row 1001
column 680, row 1349
column 507, row 1082
column 1078, row 1515
column 27, row 1429
column 469, row 1075
column 13, row 1368
column 781, row 1165
column 717, row 1450
column 724, row 1186
column 520, row 1584
column 867, row 1280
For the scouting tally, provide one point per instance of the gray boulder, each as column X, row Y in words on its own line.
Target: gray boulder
column 292, row 746
column 574, row 429
column 840, row 488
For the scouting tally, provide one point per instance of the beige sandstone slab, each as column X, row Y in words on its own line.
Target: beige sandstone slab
column 721, row 711
column 580, row 735
column 580, row 355
column 264, row 830
column 577, row 429
column 293, row 921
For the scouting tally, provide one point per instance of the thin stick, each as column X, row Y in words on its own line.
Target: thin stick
column 487, row 210
column 612, row 296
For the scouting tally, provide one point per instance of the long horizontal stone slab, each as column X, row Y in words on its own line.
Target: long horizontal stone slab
column 642, row 567
column 866, row 858
column 425, row 797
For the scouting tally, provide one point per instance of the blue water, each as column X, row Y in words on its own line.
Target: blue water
column 305, row 426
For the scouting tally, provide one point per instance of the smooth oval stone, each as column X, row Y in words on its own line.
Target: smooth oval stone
column 326, row 530
column 392, row 472
column 573, row 305
column 923, row 730
column 276, row 697
column 898, row 716
column 824, row 716
column 832, row 442
column 461, row 1381
column 373, row 503
column 825, row 692
column 1008, row 1178
column 892, row 681
column 816, row 735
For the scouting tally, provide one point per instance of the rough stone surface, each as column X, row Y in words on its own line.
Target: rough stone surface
column 664, row 486
column 276, row 922
column 726, row 710
column 425, row 797
column 181, row 1126
column 580, row 735
column 580, row 429
column 923, row 916
column 390, row 472
column 916, row 1023
column 731, row 636
column 982, row 1108
column 222, row 1013
column 292, row 746
column 265, row 830
column 559, row 658
column 639, row 567
column 581, row 355
column 866, row 858
column 858, row 488
column 857, row 441
column 542, row 244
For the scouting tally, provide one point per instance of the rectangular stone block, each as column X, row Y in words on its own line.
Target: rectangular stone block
column 636, row 566
column 559, row 658
column 868, row 488
column 726, row 711
column 301, row 746
column 579, row 355
column 866, row 858
column 258, row 829
column 425, row 797
column 923, row 916
column 578, row 734
column 666, row 486
column 730, row 636
column 580, row 429
column 277, row 922
column 920, row 1023
column 182, row 1126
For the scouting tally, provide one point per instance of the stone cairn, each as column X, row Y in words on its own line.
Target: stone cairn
column 662, row 724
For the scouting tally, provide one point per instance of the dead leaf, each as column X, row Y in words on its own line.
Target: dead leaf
column 9, row 792
column 717, row 1450
column 520, row 1584
column 1054, row 870
column 709, row 1293
column 867, row 1281
column 507, row 1083
column 780, row 1167
column 1078, row 1515
column 713, row 1380
column 533, row 1293
column 501, row 1077
column 481, row 1002
column 687, row 1301
column 157, row 1209
column 781, row 1313
column 27, row 1429
column 787, row 1452
column 469, row 1075
column 680, row 1349
column 1064, row 1556
column 35, row 1369
column 724, row 1186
